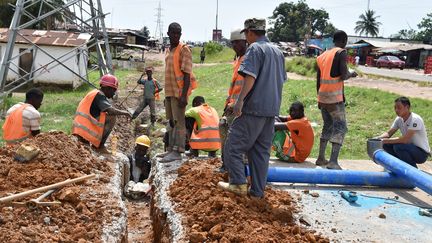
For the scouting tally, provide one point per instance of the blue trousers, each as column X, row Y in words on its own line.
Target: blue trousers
column 250, row 135
column 409, row 153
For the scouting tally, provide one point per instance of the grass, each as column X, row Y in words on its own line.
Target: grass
column 302, row 66
column 58, row 108
column 369, row 111
column 226, row 55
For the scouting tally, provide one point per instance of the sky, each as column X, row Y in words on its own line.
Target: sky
column 198, row 17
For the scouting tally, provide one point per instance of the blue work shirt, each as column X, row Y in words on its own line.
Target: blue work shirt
column 266, row 63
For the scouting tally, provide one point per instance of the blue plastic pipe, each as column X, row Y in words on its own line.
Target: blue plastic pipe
column 337, row 177
column 417, row 177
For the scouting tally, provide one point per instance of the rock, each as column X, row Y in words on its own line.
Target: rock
column 197, row 237
column 382, row 216
column 27, row 231
column 310, row 237
column 47, row 220
column 296, row 230
column 314, row 194
column 216, row 230
column 70, row 195
column 334, row 230
column 305, row 220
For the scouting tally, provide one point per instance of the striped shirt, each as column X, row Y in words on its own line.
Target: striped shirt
column 31, row 117
column 171, row 88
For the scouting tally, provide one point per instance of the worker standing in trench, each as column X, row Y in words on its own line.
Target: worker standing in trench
column 179, row 83
column 23, row 119
column 239, row 44
column 332, row 70
column 95, row 116
column 255, row 109
column 152, row 88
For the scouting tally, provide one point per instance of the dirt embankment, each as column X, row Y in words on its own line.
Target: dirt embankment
column 85, row 208
column 212, row 215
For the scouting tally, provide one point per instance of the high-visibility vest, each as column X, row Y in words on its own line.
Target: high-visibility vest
column 298, row 147
column 85, row 125
column 237, row 82
column 13, row 130
column 179, row 74
column 331, row 88
column 206, row 137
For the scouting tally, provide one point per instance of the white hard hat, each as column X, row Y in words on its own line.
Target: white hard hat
column 236, row 35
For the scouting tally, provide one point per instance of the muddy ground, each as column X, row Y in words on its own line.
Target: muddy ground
column 85, row 207
column 213, row 215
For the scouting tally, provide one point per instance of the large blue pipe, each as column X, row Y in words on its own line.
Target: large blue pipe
column 403, row 170
column 337, row 177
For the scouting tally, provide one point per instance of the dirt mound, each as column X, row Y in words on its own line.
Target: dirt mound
column 85, row 207
column 211, row 214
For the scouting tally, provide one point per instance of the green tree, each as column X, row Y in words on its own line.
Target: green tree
column 410, row 34
column 145, row 32
column 425, row 29
column 368, row 24
column 292, row 21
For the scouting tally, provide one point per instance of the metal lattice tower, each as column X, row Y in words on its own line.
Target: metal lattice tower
column 159, row 24
column 85, row 15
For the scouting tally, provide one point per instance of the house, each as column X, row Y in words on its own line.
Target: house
column 69, row 47
column 413, row 53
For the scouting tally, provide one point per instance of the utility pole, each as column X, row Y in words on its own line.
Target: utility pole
column 217, row 11
column 368, row 5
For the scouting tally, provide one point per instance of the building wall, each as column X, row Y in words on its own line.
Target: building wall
column 52, row 73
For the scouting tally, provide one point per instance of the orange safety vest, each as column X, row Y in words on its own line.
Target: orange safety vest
column 237, row 82
column 331, row 88
column 179, row 73
column 13, row 131
column 207, row 137
column 85, row 125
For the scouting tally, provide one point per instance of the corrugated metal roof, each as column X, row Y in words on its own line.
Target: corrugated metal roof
column 48, row 38
column 401, row 46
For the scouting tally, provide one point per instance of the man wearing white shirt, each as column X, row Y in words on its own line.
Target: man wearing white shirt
column 413, row 146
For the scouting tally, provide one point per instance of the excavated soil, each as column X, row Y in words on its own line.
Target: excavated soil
column 212, row 215
column 85, row 207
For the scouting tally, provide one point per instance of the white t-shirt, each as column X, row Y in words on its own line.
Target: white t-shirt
column 414, row 122
column 31, row 117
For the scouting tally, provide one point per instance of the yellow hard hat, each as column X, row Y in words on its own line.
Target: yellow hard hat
column 143, row 140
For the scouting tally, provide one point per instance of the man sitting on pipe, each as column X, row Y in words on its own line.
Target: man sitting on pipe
column 413, row 146
column 295, row 144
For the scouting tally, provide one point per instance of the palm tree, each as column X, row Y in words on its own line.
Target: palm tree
column 368, row 24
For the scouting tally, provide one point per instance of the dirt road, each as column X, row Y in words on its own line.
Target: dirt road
column 405, row 88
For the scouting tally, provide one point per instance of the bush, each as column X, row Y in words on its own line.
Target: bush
column 213, row 48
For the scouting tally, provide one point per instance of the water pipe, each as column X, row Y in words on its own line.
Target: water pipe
column 337, row 177
column 398, row 167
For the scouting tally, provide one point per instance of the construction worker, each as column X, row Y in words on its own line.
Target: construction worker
column 255, row 109
column 23, row 119
column 95, row 116
column 202, row 126
column 139, row 160
column 332, row 70
column 413, row 147
column 296, row 144
column 239, row 44
column 152, row 88
column 179, row 83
